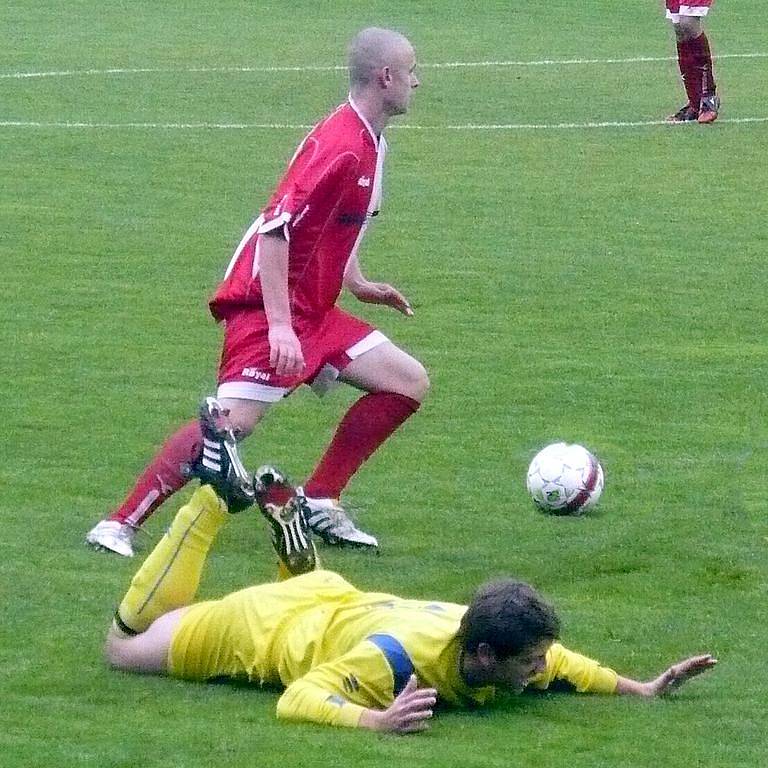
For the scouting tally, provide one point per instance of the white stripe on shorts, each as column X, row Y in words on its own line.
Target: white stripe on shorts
column 250, row 390
column 686, row 10
column 373, row 339
column 328, row 376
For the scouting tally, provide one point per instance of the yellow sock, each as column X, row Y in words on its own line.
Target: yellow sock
column 169, row 577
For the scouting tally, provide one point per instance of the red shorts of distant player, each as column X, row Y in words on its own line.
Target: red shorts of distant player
column 328, row 344
column 677, row 8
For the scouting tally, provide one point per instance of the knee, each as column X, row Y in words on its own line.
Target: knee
column 688, row 28
column 244, row 416
column 416, row 382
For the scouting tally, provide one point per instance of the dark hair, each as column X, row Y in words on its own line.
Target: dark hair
column 508, row 615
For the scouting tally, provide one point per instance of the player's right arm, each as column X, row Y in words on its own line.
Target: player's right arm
column 359, row 690
column 285, row 354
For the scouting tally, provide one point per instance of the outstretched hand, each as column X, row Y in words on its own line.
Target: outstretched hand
column 409, row 712
column 382, row 293
column 678, row 674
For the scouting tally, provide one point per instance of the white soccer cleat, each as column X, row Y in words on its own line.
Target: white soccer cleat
column 328, row 520
column 112, row 535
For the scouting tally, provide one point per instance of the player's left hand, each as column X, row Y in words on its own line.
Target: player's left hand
column 679, row 673
column 382, row 293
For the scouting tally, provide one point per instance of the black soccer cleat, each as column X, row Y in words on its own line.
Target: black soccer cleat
column 285, row 510
column 686, row 114
column 219, row 464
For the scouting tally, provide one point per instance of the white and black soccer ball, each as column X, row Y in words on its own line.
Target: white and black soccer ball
column 565, row 479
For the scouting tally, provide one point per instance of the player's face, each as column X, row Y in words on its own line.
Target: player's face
column 402, row 81
column 514, row 672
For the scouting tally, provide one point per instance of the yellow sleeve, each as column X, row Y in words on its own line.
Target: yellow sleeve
column 337, row 692
column 583, row 674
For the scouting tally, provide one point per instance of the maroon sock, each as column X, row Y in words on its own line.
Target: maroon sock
column 703, row 65
column 686, row 59
column 162, row 477
column 366, row 425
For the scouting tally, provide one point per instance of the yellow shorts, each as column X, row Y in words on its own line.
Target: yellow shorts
column 234, row 637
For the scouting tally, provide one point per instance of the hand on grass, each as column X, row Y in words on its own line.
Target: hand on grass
column 408, row 713
column 678, row 674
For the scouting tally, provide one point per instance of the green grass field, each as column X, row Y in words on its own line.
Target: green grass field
column 597, row 284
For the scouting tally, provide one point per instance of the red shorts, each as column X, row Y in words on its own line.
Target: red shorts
column 677, row 8
column 329, row 344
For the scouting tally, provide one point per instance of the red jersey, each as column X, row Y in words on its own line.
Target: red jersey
column 323, row 203
column 688, row 7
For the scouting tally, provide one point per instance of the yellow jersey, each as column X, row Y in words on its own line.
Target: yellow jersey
column 338, row 650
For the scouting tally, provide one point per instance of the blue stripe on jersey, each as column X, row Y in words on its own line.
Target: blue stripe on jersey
column 397, row 658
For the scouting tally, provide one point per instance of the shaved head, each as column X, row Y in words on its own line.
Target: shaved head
column 371, row 50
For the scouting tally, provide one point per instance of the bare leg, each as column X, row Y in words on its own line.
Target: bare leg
column 146, row 653
column 166, row 583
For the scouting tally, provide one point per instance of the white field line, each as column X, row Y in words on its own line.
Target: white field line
column 340, row 68
column 297, row 126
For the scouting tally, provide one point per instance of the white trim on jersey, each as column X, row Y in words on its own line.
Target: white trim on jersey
column 279, row 221
column 250, row 390
column 378, row 179
column 250, row 232
column 375, row 201
column 364, row 121
column 300, row 215
column 256, row 258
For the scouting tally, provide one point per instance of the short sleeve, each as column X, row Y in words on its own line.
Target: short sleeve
column 318, row 175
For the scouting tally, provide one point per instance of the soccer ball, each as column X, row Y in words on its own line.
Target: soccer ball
column 565, row 479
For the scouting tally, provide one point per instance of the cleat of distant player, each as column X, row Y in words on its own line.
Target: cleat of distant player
column 686, row 114
column 112, row 536
column 709, row 109
column 329, row 521
column 285, row 511
column 219, row 464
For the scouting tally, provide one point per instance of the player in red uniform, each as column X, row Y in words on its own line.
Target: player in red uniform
column 695, row 60
column 278, row 304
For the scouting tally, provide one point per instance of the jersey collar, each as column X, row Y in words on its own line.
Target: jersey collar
column 357, row 111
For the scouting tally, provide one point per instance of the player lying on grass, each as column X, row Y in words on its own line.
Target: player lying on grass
column 345, row 657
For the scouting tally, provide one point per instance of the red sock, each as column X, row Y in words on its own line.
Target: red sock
column 703, row 65
column 367, row 424
column 695, row 60
column 162, row 477
column 686, row 59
